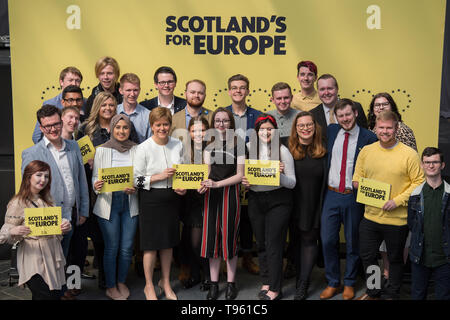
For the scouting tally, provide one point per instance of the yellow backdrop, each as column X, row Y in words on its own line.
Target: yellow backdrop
column 370, row 46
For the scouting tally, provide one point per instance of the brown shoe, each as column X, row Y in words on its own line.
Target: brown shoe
column 330, row 292
column 185, row 273
column 349, row 293
column 365, row 296
column 249, row 265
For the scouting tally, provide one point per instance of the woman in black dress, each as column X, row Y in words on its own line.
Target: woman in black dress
column 193, row 204
column 221, row 209
column 309, row 153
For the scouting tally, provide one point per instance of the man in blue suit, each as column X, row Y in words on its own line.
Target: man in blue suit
column 69, row 188
column 345, row 140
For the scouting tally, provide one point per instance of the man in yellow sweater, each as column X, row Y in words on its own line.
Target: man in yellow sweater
column 392, row 162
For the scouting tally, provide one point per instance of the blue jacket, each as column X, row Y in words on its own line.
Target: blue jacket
column 365, row 137
column 252, row 115
column 40, row 152
column 415, row 222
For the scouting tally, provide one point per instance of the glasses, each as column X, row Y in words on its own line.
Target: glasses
column 77, row 100
column 55, row 126
column 238, row 88
column 427, row 163
column 163, row 83
column 307, row 126
column 222, row 121
column 380, row 106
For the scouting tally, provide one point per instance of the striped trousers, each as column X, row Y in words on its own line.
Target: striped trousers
column 221, row 215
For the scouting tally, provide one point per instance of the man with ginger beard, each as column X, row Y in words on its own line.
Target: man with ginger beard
column 195, row 95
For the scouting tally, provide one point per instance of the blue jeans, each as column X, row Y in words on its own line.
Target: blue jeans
column 420, row 275
column 118, row 235
column 340, row 208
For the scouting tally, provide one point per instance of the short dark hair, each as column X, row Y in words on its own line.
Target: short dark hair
column 47, row 110
column 328, row 76
column 281, row 86
column 164, row 69
column 342, row 103
column 71, row 88
column 239, row 77
column 431, row 151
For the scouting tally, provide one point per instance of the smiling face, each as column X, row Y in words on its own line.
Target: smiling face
column 70, row 79
column 121, row 131
column 328, row 92
column 107, row 110
column 70, row 120
column 346, row 117
column 306, row 78
column 51, row 127
column 222, row 122
column 130, row 92
column 197, row 132
column 305, row 129
column 107, row 77
column 386, row 130
column 238, row 91
column 161, row 128
column 282, row 100
column 166, row 84
column 265, row 132
column 381, row 104
column 432, row 165
column 38, row 181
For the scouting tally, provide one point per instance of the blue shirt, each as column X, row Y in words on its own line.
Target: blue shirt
column 189, row 117
column 140, row 119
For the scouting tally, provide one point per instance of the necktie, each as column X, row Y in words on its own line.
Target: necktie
column 343, row 164
column 331, row 116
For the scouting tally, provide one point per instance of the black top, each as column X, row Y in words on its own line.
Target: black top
column 308, row 192
column 102, row 135
column 223, row 162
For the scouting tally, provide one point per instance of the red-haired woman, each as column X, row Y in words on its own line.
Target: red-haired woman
column 40, row 260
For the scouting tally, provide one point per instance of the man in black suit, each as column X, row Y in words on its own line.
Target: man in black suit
column 328, row 88
column 165, row 82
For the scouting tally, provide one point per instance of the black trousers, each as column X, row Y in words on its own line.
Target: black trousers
column 371, row 235
column 40, row 290
column 269, row 214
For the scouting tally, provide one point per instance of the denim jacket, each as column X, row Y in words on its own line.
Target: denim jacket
column 416, row 221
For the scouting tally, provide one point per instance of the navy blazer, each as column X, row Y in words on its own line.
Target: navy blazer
column 252, row 115
column 319, row 115
column 179, row 103
column 365, row 137
column 40, row 152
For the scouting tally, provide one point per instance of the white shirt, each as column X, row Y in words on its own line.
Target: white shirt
column 170, row 106
column 326, row 110
column 287, row 179
column 152, row 158
column 334, row 176
column 65, row 170
column 121, row 159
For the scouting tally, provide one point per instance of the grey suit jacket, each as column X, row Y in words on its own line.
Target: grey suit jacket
column 40, row 152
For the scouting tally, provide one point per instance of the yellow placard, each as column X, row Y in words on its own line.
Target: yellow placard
column 263, row 172
column 87, row 148
column 116, row 179
column 189, row 176
column 373, row 193
column 43, row 221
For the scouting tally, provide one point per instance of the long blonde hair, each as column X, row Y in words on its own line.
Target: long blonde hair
column 92, row 122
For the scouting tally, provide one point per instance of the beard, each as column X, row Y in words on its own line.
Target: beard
column 195, row 103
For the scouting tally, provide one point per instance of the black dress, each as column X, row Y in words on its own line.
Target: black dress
column 221, row 209
column 308, row 192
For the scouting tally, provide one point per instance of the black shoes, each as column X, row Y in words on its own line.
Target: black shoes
column 301, row 291
column 231, row 292
column 262, row 294
column 213, row 292
column 204, row 286
column 278, row 297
